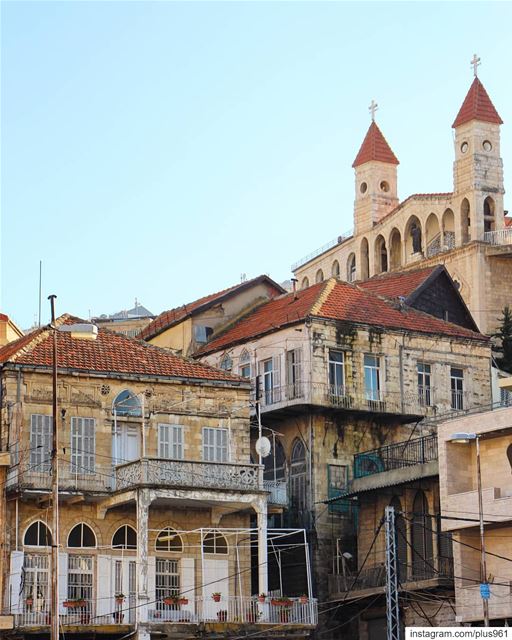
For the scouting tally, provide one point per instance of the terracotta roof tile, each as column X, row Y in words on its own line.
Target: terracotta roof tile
column 335, row 300
column 109, row 353
column 375, row 147
column 477, row 106
column 401, row 283
column 168, row 318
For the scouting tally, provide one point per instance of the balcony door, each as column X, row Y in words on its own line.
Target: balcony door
column 125, row 443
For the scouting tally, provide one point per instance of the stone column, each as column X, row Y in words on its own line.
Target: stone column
column 143, row 504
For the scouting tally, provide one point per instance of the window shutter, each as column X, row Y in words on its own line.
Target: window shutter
column 104, row 588
column 15, row 581
column 63, row 581
column 187, row 583
column 163, row 441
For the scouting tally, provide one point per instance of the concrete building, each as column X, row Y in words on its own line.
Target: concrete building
column 129, row 322
column 340, row 370
column 9, row 331
column 161, row 508
column 466, row 230
column 458, row 479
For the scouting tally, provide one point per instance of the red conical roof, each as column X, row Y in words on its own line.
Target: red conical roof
column 374, row 147
column 477, row 106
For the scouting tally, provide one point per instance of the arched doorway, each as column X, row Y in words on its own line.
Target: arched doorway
column 126, row 433
column 432, row 235
column 465, row 221
column 413, row 237
column 448, row 230
column 298, row 468
column 335, row 270
column 395, row 249
column 351, row 267
column 489, row 221
column 381, row 255
column 365, row 260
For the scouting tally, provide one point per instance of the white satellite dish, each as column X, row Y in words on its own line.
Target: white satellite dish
column 263, row 446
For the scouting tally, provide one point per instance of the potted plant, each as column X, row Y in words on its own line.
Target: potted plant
column 222, row 615
column 119, row 597
column 283, row 601
column 261, row 598
column 303, row 599
column 216, row 596
column 29, row 601
column 74, row 603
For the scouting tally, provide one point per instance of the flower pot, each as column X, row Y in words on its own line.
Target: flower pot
column 261, row 599
column 120, row 600
column 183, row 601
column 170, row 601
column 29, row 602
column 216, row 597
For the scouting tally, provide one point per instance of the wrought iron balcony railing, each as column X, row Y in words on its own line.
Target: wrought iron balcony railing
column 30, row 476
column 396, row 456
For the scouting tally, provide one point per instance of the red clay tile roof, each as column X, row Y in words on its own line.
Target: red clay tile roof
column 402, row 283
column 375, row 147
column 109, row 353
column 508, row 222
column 335, row 300
column 477, row 106
column 168, row 318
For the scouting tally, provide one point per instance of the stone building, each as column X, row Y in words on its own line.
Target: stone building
column 161, row 508
column 9, row 331
column 339, row 370
column 129, row 322
column 466, row 230
column 458, row 477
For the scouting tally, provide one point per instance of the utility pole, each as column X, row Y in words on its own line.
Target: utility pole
column 54, row 609
column 484, row 585
column 392, row 610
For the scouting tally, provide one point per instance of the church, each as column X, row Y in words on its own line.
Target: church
column 467, row 230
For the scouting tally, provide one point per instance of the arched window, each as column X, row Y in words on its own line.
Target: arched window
column 226, row 362
column 421, row 538
column 364, row 260
column 38, row 535
column 381, row 255
column 81, row 536
column 305, row 283
column 335, row 271
column 465, row 220
column 244, row 364
column 169, row 540
column 127, row 404
column 275, row 464
column 351, row 267
column 125, row 538
column 401, row 538
column 215, row 542
column 319, row 276
column 395, row 249
column 298, row 469
column 488, row 214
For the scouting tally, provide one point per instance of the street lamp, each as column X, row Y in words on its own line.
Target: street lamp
column 467, row 438
column 79, row 331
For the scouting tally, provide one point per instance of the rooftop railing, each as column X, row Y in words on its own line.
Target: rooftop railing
column 332, row 243
column 499, row 237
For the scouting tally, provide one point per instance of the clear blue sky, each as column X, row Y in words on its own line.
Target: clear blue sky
column 159, row 150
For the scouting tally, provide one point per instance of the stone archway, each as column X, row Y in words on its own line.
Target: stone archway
column 432, row 235
column 448, row 230
column 413, row 237
column 395, row 249
column 351, row 267
column 489, row 219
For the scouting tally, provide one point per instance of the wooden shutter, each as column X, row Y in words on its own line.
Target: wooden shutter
column 104, row 589
column 15, row 581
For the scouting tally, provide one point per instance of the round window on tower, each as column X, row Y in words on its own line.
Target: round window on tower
column 384, row 186
column 464, row 147
column 363, row 188
column 487, row 145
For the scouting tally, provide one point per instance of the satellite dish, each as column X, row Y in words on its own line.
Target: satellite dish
column 263, row 447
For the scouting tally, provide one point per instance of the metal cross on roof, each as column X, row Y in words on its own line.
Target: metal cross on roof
column 475, row 63
column 372, row 109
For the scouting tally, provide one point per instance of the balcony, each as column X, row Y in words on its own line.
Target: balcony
column 395, row 464
column 166, row 473
column 293, row 397
column 372, row 580
column 500, row 237
column 332, row 243
column 198, row 609
column 24, row 476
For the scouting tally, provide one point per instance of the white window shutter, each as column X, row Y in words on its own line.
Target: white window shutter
column 188, row 583
column 63, row 581
column 276, row 371
column 152, row 581
column 16, row 570
column 104, row 585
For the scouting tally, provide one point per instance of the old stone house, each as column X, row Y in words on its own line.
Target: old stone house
column 339, row 370
column 466, row 230
column 160, row 505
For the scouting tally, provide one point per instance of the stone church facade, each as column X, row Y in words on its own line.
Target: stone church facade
column 467, row 229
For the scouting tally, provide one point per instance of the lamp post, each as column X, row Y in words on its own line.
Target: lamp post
column 78, row 331
column 466, row 438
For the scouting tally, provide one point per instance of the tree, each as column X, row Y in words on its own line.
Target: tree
column 503, row 344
